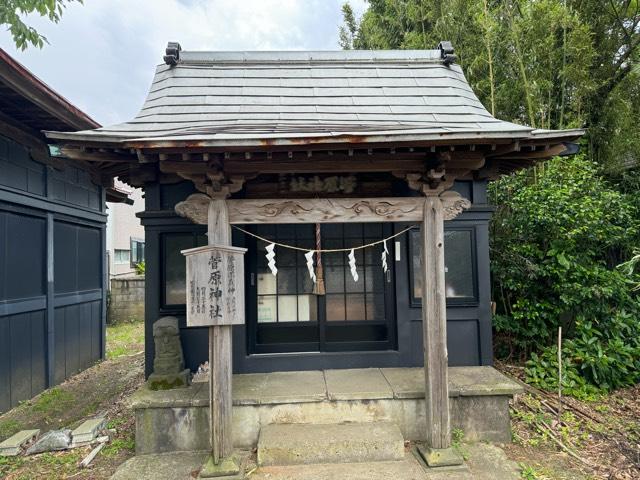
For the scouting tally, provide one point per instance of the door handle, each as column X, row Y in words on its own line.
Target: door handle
column 252, row 280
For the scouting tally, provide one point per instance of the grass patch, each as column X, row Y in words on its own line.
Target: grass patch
column 118, row 445
column 69, row 459
column 457, row 436
column 8, row 428
column 527, row 472
column 10, row 464
column 125, row 339
column 53, row 400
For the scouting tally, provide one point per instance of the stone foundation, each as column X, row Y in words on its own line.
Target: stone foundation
column 177, row 420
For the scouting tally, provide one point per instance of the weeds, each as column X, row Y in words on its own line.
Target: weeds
column 124, row 339
column 53, row 401
column 527, row 472
column 118, row 445
column 9, row 427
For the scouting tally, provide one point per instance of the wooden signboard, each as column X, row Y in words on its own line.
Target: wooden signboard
column 215, row 285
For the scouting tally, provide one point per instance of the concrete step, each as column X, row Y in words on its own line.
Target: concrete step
column 303, row 444
column 407, row 469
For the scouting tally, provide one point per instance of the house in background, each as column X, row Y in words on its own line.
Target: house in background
column 125, row 234
column 52, row 242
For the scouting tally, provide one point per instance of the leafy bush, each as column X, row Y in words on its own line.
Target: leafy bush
column 140, row 268
column 597, row 359
column 558, row 234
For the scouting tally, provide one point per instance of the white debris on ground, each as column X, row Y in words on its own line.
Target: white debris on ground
column 29, row 442
column 202, row 375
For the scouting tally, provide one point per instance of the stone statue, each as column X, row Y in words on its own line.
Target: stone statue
column 168, row 363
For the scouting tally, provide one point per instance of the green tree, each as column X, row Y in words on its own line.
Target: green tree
column 348, row 30
column 12, row 11
column 546, row 63
column 556, row 241
column 560, row 228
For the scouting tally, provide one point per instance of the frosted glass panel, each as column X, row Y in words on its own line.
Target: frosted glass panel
column 307, row 308
column 287, row 308
column 266, row 284
column 335, row 307
column 267, row 309
column 355, row 307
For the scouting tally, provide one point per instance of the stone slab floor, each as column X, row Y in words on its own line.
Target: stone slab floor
column 485, row 462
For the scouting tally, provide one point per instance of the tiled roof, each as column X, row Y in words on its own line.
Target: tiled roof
column 289, row 96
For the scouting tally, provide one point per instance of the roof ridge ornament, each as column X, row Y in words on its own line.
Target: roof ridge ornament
column 447, row 52
column 172, row 53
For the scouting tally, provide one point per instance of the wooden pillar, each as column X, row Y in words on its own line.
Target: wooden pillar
column 434, row 324
column 220, row 361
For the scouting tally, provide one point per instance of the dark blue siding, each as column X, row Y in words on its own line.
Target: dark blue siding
column 33, row 197
column 77, row 338
column 18, row 170
column 468, row 323
column 23, row 339
column 24, row 249
column 5, row 364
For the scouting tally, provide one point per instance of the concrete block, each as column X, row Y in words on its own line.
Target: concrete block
column 357, row 384
column 226, row 467
column 161, row 430
column 87, row 431
column 440, row 457
column 405, row 382
column 293, row 387
column 482, row 418
column 13, row 445
column 478, row 381
column 303, row 444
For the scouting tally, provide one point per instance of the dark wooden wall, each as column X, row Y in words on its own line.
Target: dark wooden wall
column 52, row 290
column 468, row 321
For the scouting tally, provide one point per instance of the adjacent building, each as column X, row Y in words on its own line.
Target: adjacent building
column 125, row 234
column 52, row 242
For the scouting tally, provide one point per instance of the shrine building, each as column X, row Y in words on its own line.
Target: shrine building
column 323, row 152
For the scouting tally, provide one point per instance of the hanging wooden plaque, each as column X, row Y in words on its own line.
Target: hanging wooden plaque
column 215, row 285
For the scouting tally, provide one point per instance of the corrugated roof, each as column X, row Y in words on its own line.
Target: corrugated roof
column 238, row 96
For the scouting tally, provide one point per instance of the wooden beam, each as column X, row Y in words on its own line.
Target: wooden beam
column 169, row 166
column 308, row 210
column 549, row 152
column 437, row 208
column 220, row 370
column 335, row 163
column 327, row 162
column 91, row 156
column 320, row 210
column 434, row 324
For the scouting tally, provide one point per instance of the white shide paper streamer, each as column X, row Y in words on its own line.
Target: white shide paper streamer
column 271, row 257
column 352, row 264
column 312, row 272
column 385, row 252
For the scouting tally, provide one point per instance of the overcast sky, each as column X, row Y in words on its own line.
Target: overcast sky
column 102, row 55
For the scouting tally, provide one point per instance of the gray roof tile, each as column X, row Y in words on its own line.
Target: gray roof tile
column 238, row 95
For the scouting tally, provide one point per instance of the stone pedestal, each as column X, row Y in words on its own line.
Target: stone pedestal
column 440, row 457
